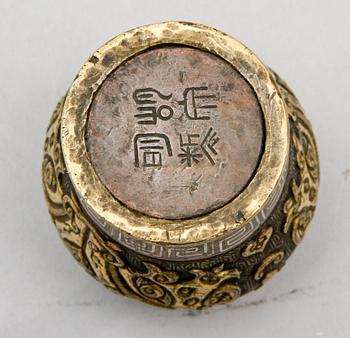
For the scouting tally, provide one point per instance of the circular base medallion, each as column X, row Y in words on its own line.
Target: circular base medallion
column 175, row 132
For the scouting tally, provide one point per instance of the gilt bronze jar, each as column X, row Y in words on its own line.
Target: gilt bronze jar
column 178, row 168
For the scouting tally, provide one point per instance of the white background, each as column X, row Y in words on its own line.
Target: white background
column 44, row 293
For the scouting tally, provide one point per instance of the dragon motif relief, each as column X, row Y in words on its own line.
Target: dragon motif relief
column 269, row 266
column 258, row 245
column 105, row 260
column 300, row 207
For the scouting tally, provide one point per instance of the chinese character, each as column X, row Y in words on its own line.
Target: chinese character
column 208, row 144
column 190, row 150
column 197, row 104
column 149, row 149
column 151, row 106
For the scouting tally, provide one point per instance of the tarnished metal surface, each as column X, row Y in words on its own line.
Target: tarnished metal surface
column 177, row 281
column 208, row 234
column 175, row 132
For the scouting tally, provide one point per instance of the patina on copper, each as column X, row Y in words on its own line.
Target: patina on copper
column 175, row 132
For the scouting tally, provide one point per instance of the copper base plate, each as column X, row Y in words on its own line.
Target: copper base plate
column 175, row 132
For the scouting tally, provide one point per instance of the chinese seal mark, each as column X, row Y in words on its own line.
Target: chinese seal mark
column 175, row 132
column 192, row 151
column 151, row 148
column 148, row 113
column 191, row 106
column 149, row 110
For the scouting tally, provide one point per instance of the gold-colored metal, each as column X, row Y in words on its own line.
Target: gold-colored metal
column 196, row 262
column 95, row 194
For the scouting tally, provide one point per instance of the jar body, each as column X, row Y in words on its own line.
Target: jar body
column 190, row 283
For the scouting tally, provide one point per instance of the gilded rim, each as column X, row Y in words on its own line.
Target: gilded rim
column 204, row 228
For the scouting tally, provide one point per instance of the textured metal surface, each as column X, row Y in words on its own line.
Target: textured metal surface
column 140, row 231
column 198, row 283
column 194, row 262
column 175, row 132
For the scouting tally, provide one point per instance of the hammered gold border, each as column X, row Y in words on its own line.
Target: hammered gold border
column 98, row 198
